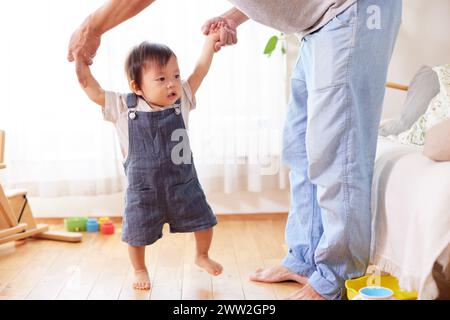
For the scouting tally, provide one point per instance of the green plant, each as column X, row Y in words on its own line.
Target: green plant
column 273, row 43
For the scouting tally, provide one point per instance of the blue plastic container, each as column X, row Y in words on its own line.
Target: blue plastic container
column 375, row 293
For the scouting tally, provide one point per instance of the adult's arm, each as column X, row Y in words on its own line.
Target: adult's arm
column 86, row 39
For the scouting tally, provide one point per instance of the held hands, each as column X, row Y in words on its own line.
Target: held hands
column 223, row 29
column 213, row 36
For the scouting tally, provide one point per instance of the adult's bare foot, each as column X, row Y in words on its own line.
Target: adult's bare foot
column 277, row 274
column 305, row 293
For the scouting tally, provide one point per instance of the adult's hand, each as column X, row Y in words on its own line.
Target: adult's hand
column 228, row 33
column 82, row 49
column 86, row 39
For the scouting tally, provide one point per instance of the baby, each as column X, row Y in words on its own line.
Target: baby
column 162, row 181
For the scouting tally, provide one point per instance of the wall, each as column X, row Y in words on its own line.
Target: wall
column 422, row 40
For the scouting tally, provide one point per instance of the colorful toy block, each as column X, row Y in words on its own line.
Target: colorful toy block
column 77, row 224
column 102, row 220
column 92, row 225
column 107, row 227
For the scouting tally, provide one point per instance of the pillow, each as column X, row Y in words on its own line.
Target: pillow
column 423, row 88
column 437, row 142
column 438, row 110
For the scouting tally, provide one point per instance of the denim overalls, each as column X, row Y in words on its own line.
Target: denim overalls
column 160, row 191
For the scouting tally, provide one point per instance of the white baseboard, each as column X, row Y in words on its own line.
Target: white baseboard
column 112, row 205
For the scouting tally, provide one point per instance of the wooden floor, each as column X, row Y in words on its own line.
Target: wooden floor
column 98, row 268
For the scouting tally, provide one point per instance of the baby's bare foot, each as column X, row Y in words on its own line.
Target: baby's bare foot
column 141, row 280
column 210, row 266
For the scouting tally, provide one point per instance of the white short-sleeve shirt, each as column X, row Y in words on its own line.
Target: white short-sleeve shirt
column 116, row 111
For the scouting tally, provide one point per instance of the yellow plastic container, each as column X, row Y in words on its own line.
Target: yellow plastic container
column 388, row 281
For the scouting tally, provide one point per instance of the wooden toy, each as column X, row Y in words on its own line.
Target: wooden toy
column 107, row 227
column 16, row 218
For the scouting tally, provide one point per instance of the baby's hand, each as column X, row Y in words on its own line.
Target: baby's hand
column 214, row 33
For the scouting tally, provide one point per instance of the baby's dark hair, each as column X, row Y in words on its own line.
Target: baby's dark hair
column 144, row 55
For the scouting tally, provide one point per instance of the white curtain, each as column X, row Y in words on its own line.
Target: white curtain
column 57, row 143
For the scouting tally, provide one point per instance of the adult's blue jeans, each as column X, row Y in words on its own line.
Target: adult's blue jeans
column 330, row 140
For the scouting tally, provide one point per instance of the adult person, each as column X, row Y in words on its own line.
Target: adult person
column 330, row 134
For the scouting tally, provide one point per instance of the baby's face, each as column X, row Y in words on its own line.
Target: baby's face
column 161, row 86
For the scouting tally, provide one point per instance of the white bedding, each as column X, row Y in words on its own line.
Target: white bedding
column 410, row 215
